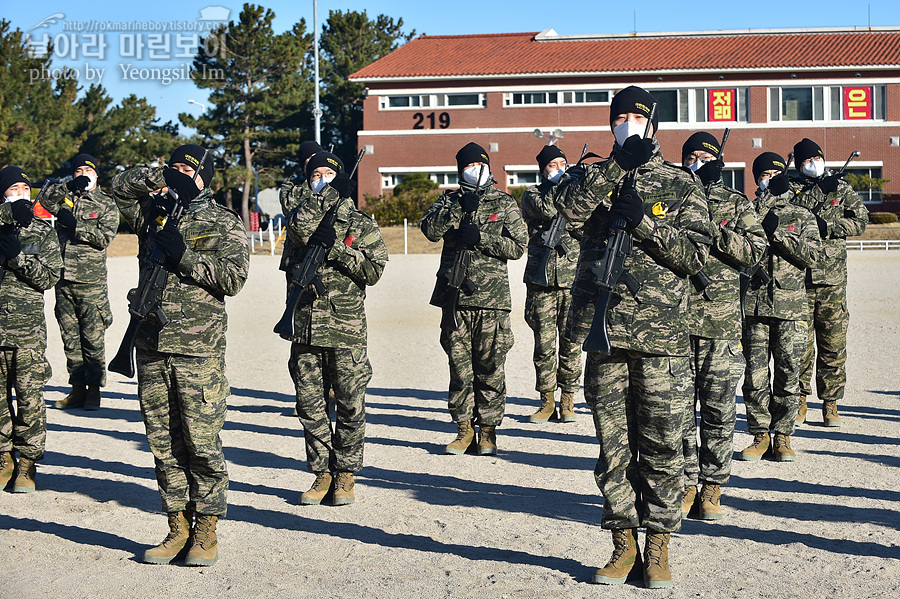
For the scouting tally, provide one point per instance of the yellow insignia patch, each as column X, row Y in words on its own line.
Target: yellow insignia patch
column 660, row 209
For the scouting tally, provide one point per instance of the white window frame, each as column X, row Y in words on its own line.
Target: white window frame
column 432, row 101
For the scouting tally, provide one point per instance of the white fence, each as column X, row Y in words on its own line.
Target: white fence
column 873, row 244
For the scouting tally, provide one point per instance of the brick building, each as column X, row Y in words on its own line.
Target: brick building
column 428, row 98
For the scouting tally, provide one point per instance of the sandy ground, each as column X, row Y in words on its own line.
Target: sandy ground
column 524, row 523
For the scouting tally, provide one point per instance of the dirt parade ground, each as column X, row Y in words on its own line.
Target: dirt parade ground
column 523, row 523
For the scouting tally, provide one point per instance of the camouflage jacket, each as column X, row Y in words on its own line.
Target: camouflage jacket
column 538, row 211
column 503, row 237
column 844, row 215
column 738, row 242
column 670, row 243
column 291, row 194
column 84, row 255
column 794, row 246
column 26, row 277
column 357, row 259
column 215, row 265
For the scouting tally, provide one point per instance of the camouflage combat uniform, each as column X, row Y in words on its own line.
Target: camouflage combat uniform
column 775, row 318
column 826, row 287
column 716, row 358
column 546, row 307
column 291, row 194
column 477, row 351
column 181, row 368
column 23, row 336
column 638, row 394
column 82, row 297
column 328, row 348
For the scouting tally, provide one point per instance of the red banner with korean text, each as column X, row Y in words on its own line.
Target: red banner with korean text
column 721, row 105
column 857, row 103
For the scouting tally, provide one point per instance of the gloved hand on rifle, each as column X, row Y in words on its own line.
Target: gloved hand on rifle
column 829, row 184
column 162, row 206
column 324, row 236
column 574, row 175
column 79, row 183
column 10, row 246
column 468, row 234
column 169, row 238
column 184, row 186
column 65, row 221
column 633, row 153
column 770, row 223
column 344, row 185
column 779, row 184
column 22, row 212
column 710, row 172
column 629, row 206
column 469, row 201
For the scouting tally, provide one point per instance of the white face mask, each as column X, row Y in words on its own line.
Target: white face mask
column 16, row 198
column 93, row 179
column 696, row 166
column 626, row 130
column 470, row 175
column 813, row 168
column 764, row 183
column 319, row 184
column 555, row 176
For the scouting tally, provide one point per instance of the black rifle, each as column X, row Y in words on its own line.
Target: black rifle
column 701, row 280
column 458, row 276
column 305, row 272
column 145, row 300
column 610, row 269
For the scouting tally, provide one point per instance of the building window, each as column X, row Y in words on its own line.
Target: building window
column 868, row 196
column 721, row 104
column 733, row 178
column 475, row 100
column 522, row 98
column 672, row 105
column 447, row 179
column 847, row 103
column 557, row 97
column 523, row 178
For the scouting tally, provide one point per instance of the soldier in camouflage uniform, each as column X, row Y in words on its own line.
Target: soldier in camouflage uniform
column 181, row 368
column 716, row 358
column 482, row 220
column 839, row 213
column 775, row 312
column 328, row 348
column 546, row 307
column 87, row 221
column 639, row 392
column 31, row 263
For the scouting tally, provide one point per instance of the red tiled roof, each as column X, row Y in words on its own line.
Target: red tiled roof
column 523, row 54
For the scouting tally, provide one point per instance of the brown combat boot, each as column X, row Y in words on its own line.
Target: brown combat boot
column 801, row 411
column 204, row 543
column 710, row 501
column 25, row 472
column 625, row 557
column 755, row 450
column 547, row 409
column 464, row 438
column 782, row 448
column 7, row 468
column 656, row 560
column 487, row 440
column 318, row 490
column 567, row 407
column 92, row 398
column 175, row 543
column 75, row 399
column 343, row 489
column 687, row 502
column 829, row 413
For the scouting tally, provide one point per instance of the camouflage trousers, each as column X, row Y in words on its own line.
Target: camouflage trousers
column 827, row 323
column 716, row 365
column 347, row 372
column 772, row 406
column 477, row 356
column 23, row 421
column 638, row 403
column 545, row 313
column 82, row 311
column 183, row 407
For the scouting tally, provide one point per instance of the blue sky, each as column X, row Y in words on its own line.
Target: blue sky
column 455, row 17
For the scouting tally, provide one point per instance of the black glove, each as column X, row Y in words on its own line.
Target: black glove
column 183, row 185
column 779, row 184
column 344, row 185
column 711, row 171
column 629, row 206
column 162, row 206
column 79, row 183
column 634, row 152
column 22, row 212
column 823, row 226
column 468, row 234
column 469, row 201
column 10, row 246
column 573, row 176
column 324, row 236
column 770, row 222
column 829, row 184
column 66, row 220
column 170, row 240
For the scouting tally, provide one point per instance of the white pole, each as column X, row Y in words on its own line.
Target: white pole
column 271, row 239
column 405, row 246
column 317, row 111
